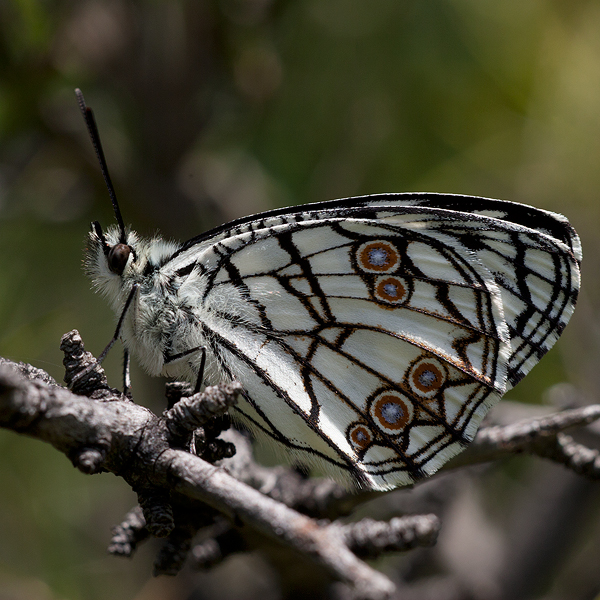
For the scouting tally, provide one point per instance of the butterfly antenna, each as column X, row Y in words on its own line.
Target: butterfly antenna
column 88, row 115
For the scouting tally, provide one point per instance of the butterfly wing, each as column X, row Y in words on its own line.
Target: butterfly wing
column 373, row 334
column 534, row 257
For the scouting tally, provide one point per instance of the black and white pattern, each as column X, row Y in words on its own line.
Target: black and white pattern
column 371, row 334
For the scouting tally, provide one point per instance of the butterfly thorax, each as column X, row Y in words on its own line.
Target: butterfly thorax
column 161, row 328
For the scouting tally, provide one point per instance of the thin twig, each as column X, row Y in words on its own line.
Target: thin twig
column 530, row 435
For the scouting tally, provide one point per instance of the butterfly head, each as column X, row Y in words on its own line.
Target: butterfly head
column 117, row 258
column 117, row 247
column 112, row 258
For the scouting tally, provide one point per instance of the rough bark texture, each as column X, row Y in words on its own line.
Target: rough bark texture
column 169, row 461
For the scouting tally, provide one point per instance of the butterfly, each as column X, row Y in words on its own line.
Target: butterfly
column 371, row 335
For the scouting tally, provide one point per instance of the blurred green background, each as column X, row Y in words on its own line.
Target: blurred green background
column 211, row 110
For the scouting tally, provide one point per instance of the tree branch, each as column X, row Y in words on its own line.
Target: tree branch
column 169, row 462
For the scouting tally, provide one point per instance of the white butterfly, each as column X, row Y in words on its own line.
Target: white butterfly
column 371, row 334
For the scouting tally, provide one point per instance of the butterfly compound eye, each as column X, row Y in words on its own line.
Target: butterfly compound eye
column 117, row 258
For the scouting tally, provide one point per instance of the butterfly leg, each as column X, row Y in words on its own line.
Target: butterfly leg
column 169, row 359
column 126, row 372
column 115, row 337
column 200, row 371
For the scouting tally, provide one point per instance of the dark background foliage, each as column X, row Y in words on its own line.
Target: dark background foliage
column 210, row 110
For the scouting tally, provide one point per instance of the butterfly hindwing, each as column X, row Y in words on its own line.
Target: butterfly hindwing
column 373, row 334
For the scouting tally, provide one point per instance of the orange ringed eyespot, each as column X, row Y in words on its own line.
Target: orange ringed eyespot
column 360, row 436
column 391, row 289
column 378, row 257
column 427, row 377
column 391, row 412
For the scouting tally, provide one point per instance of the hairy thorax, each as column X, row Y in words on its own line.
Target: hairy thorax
column 164, row 330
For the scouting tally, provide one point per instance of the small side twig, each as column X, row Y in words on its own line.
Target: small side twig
column 565, row 450
column 534, row 436
column 194, row 411
column 369, row 538
column 223, row 541
column 129, row 533
column 83, row 373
